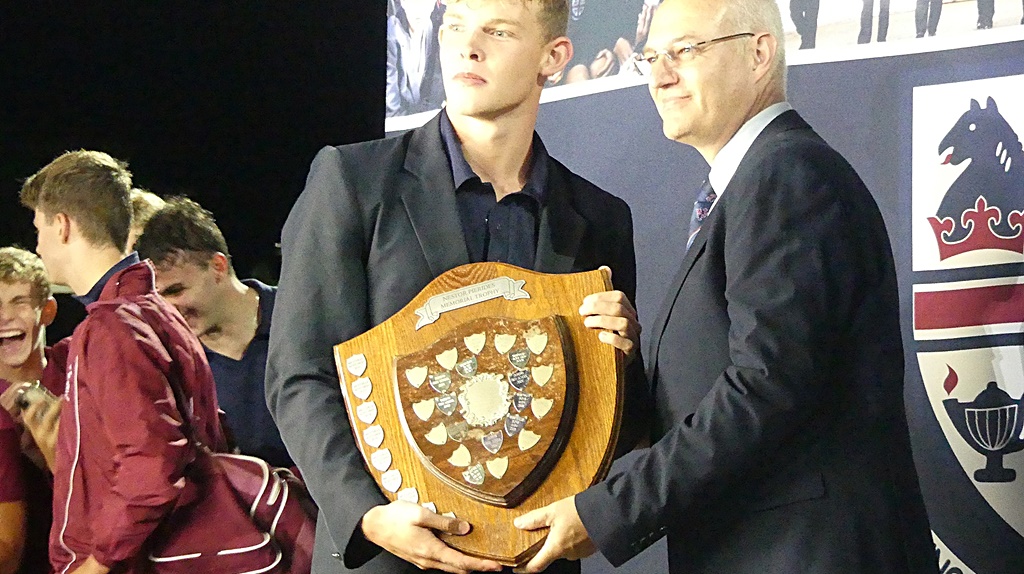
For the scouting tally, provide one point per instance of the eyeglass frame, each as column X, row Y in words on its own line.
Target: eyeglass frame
column 687, row 48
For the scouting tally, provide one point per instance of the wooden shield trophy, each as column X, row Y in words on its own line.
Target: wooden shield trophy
column 484, row 398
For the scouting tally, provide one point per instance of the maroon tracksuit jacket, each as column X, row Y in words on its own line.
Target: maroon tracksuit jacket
column 121, row 452
column 23, row 478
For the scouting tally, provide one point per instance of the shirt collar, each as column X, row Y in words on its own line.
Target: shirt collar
column 536, row 185
column 94, row 294
column 728, row 160
column 266, row 294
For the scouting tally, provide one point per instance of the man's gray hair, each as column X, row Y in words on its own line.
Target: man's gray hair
column 759, row 16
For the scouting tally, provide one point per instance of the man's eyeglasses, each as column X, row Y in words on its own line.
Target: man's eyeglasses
column 679, row 53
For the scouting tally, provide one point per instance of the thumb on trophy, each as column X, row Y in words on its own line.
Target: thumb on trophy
column 534, row 520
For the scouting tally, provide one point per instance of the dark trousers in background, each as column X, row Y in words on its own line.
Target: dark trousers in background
column 867, row 17
column 805, row 16
column 986, row 9
column 927, row 16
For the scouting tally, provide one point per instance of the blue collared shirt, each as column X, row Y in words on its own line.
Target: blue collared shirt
column 240, row 389
column 94, row 294
column 506, row 230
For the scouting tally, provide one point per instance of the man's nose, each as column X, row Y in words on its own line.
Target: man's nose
column 470, row 47
column 662, row 73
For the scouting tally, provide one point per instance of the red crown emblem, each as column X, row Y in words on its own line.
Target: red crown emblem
column 981, row 235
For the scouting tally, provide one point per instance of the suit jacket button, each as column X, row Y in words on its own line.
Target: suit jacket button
column 336, row 555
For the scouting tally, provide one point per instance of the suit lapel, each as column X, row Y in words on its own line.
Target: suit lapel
column 431, row 202
column 561, row 227
column 786, row 121
column 695, row 250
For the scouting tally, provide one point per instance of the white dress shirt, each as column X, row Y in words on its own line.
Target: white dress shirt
column 727, row 160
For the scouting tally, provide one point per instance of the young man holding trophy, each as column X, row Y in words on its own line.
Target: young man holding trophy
column 379, row 220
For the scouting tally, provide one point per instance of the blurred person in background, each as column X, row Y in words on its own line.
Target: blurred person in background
column 606, row 34
column 144, row 205
column 926, row 17
column 231, row 317
column 867, row 17
column 986, row 10
column 805, row 16
column 413, row 70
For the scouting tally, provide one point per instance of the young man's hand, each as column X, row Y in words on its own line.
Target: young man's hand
column 407, row 530
column 614, row 315
column 42, row 419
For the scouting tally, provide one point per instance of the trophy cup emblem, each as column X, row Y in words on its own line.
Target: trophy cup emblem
column 992, row 425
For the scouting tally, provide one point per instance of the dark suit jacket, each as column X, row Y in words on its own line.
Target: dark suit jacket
column 777, row 372
column 376, row 223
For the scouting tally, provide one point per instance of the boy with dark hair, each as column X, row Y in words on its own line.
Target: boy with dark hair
column 121, row 452
column 231, row 317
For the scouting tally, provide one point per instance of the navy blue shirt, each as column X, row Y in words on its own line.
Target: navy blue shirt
column 94, row 294
column 506, row 230
column 240, row 389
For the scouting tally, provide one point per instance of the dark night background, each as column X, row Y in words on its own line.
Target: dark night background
column 226, row 102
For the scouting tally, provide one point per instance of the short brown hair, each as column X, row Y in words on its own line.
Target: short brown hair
column 20, row 266
column 90, row 187
column 552, row 14
column 181, row 230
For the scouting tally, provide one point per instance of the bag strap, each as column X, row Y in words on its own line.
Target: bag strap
column 184, row 410
column 199, row 449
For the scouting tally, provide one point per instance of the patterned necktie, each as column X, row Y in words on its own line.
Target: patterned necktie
column 701, row 208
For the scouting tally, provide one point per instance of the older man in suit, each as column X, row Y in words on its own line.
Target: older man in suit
column 379, row 220
column 776, row 363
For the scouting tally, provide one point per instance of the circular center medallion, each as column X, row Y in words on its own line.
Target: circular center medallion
column 484, row 399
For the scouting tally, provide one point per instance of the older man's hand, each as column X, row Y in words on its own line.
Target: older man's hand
column 567, row 537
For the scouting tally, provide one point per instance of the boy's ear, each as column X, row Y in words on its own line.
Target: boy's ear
column 559, row 54
column 220, row 263
column 65, row 226
column 49, row 312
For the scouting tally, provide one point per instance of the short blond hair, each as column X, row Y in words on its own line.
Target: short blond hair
column 21, row 266
column 552, row 14
column 144, row 204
